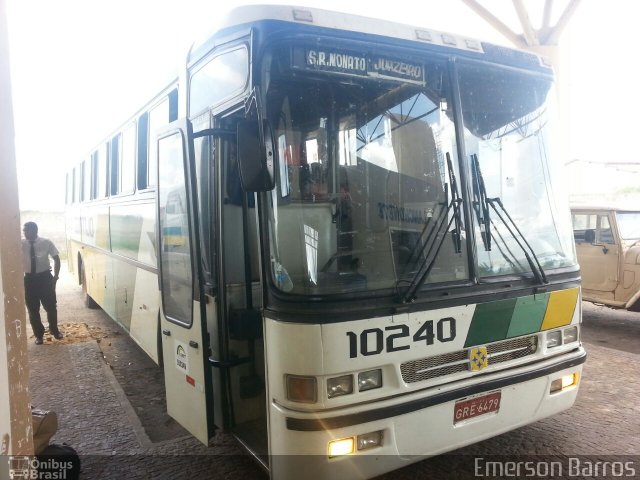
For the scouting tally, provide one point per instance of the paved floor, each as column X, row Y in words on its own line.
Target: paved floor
column 109, row 399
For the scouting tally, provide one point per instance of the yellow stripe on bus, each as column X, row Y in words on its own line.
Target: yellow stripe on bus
column 560, row 309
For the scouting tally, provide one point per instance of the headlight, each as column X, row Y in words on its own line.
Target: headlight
column 570, row 335
column 554, row 339
column 563, row 336
column 340, row 386
column 369, row 380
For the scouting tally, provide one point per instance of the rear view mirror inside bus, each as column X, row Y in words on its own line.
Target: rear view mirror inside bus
column 256, row 156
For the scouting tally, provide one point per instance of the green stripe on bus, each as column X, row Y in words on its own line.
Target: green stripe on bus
column 490, row 322
column 528, row 315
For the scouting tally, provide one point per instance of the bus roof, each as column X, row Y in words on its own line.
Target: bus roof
column 248, row 14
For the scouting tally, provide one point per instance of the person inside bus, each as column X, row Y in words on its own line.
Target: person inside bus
column 39, row 284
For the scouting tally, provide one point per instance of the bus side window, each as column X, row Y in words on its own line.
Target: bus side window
column 158, row 116
column 127, row 159
column 98, row 177
column 77, row 182
column 114, row 163
column 143, row 140
column 68, row 197
column 86, row 180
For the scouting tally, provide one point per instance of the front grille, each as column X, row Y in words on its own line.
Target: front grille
column 512, row 349
column 456, row 362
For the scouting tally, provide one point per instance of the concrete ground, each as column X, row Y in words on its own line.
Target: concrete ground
column 110, row 402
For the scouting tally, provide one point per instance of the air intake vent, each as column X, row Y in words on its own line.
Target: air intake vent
column 456, row 362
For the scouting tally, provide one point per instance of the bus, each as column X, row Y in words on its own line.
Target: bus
column 345, row 240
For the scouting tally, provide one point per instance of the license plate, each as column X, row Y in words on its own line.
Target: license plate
column 476, row 406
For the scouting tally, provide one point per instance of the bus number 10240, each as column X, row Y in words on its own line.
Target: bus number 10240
column 394, row 338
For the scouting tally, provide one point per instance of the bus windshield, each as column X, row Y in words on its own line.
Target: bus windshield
column 508, row 118
column 363, row 180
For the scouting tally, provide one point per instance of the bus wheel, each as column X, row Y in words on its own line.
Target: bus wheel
column 88, row 301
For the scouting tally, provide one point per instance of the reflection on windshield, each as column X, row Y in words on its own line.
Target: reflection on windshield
column 363, row 180
column 629, row 225
column 362, row 176
column 506, row 117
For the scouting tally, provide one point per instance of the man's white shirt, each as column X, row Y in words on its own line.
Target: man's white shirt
column 43, row 248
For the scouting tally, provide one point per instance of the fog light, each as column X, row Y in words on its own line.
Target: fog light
column 569, row 380
column 564, row 382
column 344, row 446
column 370, row 440
column 554, row 339
column 369, row 380
column 301, row 389
column 340, row 386
column 570, row 335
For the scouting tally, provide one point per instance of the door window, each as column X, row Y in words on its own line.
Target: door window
column 584, row 227
column 605, row 234
column 175, row 249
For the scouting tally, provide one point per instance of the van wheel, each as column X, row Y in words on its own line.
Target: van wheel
column 88, row 301
column 635, row 307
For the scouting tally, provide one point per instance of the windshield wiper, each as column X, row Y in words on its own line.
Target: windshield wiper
column 456, row 233
column 455, row 199
column 481, row 205
column 433, row 243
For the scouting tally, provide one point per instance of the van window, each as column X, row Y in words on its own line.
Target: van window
column 604, row 233
column 584, row 227
column 629, row 225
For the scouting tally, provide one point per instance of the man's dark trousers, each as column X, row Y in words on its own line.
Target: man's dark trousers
column 41, row 288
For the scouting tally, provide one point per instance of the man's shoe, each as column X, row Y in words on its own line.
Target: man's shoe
column 38, row 340
column 58, row 336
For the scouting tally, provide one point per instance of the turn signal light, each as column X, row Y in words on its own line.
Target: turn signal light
column 301, row 389
column 370, row 440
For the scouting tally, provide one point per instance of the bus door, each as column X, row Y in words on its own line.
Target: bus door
column 184, row 343
column 242, row 356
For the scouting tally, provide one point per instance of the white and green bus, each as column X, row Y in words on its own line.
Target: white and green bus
column 344, row 239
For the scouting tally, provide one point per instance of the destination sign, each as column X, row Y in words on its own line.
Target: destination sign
column 337, row 61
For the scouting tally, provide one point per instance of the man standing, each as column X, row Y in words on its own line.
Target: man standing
column 39, row 284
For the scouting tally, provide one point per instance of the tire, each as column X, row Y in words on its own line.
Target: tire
column 88, row 301
column 635, row 307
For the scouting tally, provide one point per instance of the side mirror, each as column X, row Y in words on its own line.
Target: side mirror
column 256, row 153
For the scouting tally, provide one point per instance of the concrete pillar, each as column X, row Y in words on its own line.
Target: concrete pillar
column 16, row 434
